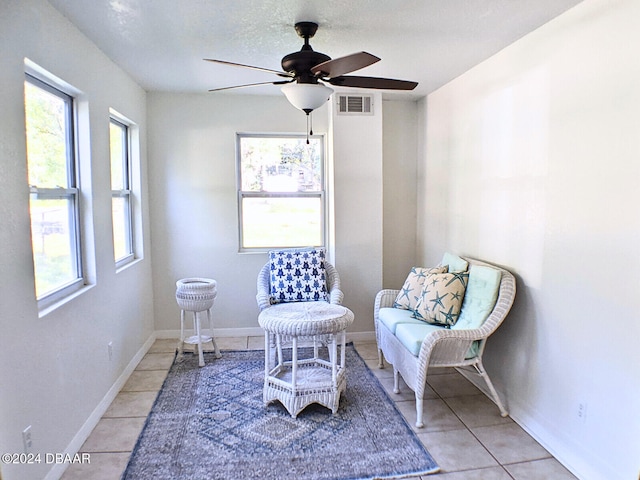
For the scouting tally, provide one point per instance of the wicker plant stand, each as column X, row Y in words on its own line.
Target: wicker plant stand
column 299, row 382
column 196, row 295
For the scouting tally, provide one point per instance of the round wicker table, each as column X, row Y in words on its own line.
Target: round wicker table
column 309, row 375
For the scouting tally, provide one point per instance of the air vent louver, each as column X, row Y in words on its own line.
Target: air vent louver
column 355, row 104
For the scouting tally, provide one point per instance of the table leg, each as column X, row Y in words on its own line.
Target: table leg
column 213, row 340
column 267, row 357
column 278, row 349
column 334, row 359
column 196, row 322
column 181, row 341
column 294, row 364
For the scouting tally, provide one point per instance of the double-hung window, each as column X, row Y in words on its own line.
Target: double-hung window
column 281, row 191
column 121, row 197
column 54, row 190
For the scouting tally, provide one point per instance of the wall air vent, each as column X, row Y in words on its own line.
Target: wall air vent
column 355, row 104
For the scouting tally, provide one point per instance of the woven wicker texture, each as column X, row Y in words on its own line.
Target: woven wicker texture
column 196, row 294
column 298, row 384
column 305, row 318
column 303, row 381
column 445, row 347
column 313, row 385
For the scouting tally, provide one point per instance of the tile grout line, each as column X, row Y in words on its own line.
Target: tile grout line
column 468, row 429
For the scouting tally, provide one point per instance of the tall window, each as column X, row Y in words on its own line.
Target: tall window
column 121, row 208
column 281, row 191
column 54, row 193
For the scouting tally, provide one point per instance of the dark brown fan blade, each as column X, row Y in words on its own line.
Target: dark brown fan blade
column 261, row 69
column 251, row 85
column 372, row 82
column 340, row 66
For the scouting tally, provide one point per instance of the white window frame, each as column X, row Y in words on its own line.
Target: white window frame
column 71, row 193
column 126, row 192
column 322, row 194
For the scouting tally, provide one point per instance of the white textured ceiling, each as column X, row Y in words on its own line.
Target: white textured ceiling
column 161, row 43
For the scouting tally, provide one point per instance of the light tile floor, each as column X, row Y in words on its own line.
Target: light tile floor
column 463, row 431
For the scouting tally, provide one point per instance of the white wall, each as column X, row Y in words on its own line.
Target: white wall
column 193, row 198
column 194, row 206
column 357, row 161
column 399, row 183
column 532, row 162
column 55, row 370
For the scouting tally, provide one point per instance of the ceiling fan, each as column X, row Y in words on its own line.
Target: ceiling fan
column 306, row 72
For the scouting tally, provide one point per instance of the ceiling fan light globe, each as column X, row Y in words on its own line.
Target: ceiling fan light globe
column 305, row 96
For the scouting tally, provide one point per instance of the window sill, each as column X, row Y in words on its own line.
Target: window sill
column 54, row 306
column 128, row 264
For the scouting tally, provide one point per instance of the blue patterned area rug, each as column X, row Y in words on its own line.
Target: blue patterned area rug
column 211, row 423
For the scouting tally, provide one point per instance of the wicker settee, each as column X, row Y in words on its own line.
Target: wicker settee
column 437, row 346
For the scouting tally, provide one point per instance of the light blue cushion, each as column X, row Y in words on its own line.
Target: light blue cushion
column 456, row 264
column 392, row 317
column 473, row 350
column 411, row 335
column 479, row 298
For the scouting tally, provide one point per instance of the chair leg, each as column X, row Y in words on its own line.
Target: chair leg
column 380, row 359
column 396, row 381
column 483, row 373
column 419, row 403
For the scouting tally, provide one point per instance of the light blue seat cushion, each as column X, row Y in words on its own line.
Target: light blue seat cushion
column 392, row 317
column 412, row 334
column 479, row 298
column 456, row 264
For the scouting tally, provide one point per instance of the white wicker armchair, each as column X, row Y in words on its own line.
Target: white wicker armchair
column 264, row 286
column 444, row 347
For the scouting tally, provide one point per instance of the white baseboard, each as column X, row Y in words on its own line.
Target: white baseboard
column 217, row 332
column 259, row 332
column 78, row 440
column 361, row 336
column 568, row 451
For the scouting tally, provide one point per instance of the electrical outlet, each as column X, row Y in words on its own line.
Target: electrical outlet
column 26, row 439
column 110, row 350
column 582, row 411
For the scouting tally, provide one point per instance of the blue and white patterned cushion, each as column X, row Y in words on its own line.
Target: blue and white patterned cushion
column 297, row 276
